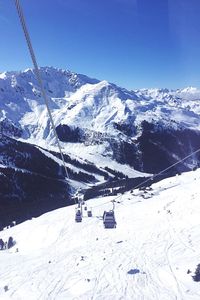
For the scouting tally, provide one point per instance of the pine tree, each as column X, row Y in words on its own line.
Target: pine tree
column 196, row 277
column 10, row 242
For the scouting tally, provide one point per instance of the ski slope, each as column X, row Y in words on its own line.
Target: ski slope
column 147, row 256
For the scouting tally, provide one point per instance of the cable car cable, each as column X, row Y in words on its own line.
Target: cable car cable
column 37, row 73
column 38, row 76
column 153, row 176
column 168, row 168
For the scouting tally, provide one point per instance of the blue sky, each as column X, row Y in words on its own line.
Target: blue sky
column 133, row 43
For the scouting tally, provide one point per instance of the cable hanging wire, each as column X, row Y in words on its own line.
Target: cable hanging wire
column 153, row 176
column 168, row 168
column 38, row 76
column 162, row 171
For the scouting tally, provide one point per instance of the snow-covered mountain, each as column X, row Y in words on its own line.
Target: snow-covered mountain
column 78, row 100
column 107, row 134
column 152, row 254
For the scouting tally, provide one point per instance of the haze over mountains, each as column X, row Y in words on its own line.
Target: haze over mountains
column 107, row 132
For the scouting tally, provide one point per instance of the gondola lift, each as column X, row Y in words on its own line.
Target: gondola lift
column 109, row 220
column 78, row 216
column 89, row 213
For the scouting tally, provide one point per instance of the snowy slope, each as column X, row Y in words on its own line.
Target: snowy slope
column 75, row 100
column 146, row 257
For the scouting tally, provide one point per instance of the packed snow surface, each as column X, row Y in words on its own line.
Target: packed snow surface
column 147, row 256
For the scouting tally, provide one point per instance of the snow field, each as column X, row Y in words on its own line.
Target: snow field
column 146, row 257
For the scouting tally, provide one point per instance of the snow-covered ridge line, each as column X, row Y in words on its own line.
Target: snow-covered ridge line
column 81, row 101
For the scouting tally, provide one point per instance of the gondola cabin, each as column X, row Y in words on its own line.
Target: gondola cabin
column 89, row 213
column 109, row 219
column 78, row 216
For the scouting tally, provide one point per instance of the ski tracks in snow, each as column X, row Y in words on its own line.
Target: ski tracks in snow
column 145, row 258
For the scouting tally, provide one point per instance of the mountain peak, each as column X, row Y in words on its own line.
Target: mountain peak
column 190, row 89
